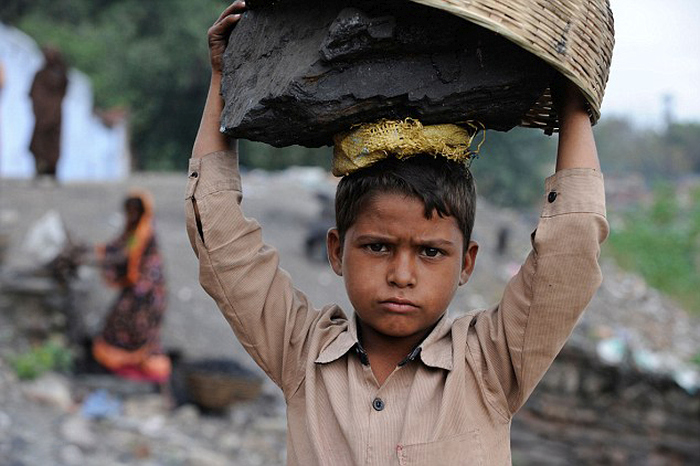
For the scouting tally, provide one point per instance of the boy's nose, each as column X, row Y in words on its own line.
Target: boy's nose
column 402, row 271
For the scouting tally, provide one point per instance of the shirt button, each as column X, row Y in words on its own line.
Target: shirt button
column 552, row 196
column 194, row 175
column 378, row 404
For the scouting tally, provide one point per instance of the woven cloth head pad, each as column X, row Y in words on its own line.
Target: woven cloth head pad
column 368, row 143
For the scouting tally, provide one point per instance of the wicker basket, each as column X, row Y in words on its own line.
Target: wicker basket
column 576, row 37
column 216, row 384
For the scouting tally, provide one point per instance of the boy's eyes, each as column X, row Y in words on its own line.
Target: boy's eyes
column 377, row 247
column 426, row 251
column 431, row 252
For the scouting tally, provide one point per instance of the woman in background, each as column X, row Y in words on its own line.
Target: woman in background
column 47, row 93
column 129, row 344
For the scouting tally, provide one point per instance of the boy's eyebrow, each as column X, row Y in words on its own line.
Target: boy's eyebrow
column 371, row 238
column 433, row 242
column 436, row 242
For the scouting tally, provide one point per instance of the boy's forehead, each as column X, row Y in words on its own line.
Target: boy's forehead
column 399, row 212
column 387, row 202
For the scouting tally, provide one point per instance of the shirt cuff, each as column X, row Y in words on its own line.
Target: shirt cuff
column 574, row 190
column 217, row 171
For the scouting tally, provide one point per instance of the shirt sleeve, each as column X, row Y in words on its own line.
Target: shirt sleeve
column 514, row 343
column 269, row 316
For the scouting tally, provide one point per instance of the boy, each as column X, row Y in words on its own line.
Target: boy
column 399, row 382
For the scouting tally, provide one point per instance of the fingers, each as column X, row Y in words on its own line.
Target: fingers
column 235, row 7
column 218, row 35
column 221, row 29
column 223, row 25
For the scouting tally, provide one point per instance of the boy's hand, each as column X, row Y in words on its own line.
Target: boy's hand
column 576, row 143
column 218, row 34
column 209, row 139
column 567, row 98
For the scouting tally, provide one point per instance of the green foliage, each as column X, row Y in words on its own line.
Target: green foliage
column 683, row 143
column 258, row 155
column 662, row 242
column 512, row 166
column 656, row 154
column 51, row 356
column 696, row 359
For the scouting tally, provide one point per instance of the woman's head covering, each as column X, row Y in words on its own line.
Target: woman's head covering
column 142, row 234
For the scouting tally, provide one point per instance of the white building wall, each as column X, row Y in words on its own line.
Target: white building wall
column 89, row 149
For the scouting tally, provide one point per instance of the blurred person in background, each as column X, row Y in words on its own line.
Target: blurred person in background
column 2, row 84
column 129, row 344
column 47, row 92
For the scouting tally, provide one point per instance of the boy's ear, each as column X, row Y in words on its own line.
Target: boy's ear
column 335, row 251
column 469, row 262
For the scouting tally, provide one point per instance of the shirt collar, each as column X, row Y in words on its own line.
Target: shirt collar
column 435, row 350
column 341, row 344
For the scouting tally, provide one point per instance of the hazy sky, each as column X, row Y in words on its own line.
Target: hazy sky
column 657, row 52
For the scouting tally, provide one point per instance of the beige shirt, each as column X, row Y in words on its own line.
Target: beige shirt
column 451, row 401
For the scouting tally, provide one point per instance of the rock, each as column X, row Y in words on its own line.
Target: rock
column 152, row 426
column 241, row 417
column 146, row 406
column 186, row 414
column 300, row 74
column 229, row 441
column 202, row 457
column 5, row 422
column 78, row 431
column 117, row 387
column 184, row 294
column 271, row 425
column 52, row 389
column 72, row 455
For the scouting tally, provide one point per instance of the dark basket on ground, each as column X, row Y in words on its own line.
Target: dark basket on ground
column 215, row 384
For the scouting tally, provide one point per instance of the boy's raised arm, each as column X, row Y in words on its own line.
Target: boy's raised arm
column 236, row 268
column 209, row 139
column 518, row 340
column 576, row 144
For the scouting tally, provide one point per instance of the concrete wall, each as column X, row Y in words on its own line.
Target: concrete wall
column 90, row 150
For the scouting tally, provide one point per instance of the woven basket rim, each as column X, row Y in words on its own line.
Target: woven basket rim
column 460, row 8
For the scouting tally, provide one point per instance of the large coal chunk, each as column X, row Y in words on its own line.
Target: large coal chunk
column 298, row 72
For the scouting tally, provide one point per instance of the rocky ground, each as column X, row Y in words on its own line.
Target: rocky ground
column 49, row 421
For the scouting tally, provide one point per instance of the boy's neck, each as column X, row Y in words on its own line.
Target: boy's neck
column 386, row 352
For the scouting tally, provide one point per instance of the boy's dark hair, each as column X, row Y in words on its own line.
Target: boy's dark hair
column 442, row 185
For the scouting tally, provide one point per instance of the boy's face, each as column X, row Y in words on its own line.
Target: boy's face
column 400, row 269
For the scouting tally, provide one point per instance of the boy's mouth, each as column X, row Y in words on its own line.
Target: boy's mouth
column 398, row 305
